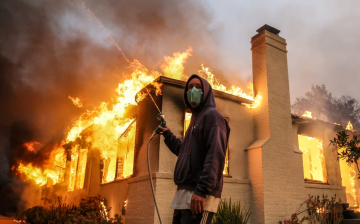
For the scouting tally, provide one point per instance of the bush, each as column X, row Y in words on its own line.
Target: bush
column 89, row 211
column 318, row 211
column 229, row 213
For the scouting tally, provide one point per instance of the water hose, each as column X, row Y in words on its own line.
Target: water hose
column 151, row 182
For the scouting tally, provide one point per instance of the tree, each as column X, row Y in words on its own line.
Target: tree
column 326, row 107
column 348, row 150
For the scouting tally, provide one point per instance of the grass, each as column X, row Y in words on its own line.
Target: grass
column 231, row 213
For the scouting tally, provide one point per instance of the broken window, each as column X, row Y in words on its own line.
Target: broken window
column 187, row 120
column 107, row 168
column 73, row 167
column 125, row 156
column 60, row 163
column 313, row 158
column 80, row 175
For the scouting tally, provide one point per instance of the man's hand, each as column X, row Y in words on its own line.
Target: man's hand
column 197, row 204
column 162, row 129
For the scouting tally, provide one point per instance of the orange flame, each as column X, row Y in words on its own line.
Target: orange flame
column 307, row 114
column 107, row 122
column 76, row 101
column 30, row 146
column 349, row 126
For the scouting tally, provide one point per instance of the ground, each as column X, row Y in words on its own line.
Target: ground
column 6, row 220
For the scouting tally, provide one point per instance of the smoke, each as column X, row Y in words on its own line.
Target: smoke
column 50, row 50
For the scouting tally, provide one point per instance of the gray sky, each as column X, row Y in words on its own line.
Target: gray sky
column 322, row 36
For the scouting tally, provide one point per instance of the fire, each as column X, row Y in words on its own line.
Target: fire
column 348, row 178
column 307, row 114
column 55, row 169
column 38, row 175
column 76, row 101
column 349, row 126
column 313, row 158
column 30, row 146
column 173, row 66
column 104, row 211
column 100, row 128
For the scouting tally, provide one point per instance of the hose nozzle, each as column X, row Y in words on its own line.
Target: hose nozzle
column 161, row 118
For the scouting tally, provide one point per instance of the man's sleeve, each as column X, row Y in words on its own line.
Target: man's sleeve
column 172, row 142
column 216, row 139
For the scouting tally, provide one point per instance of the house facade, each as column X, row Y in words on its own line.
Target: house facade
column 274, row 160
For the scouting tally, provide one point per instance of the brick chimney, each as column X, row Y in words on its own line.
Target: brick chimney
column 275, row 170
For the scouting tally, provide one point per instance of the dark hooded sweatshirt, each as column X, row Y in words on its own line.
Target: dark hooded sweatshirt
column 201, row 154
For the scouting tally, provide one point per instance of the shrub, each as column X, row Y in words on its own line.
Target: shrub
column 89, row 211
column 318, row 211
column 229, row 213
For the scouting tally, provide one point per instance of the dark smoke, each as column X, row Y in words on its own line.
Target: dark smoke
column 52, row 49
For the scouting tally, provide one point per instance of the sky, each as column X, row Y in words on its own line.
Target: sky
column 52, row 49
column 322, row 37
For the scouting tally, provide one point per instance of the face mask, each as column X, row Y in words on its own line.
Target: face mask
column 194, row 97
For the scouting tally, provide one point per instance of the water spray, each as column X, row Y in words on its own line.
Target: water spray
column 161, row 118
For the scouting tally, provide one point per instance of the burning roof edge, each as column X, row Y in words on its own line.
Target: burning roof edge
column 298, row 119
column 217, row 93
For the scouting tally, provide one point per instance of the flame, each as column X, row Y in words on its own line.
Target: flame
column 307, row 114
column 38, row 175
column 173, row 66
column 55, row 169
column 348, row 178
column 76, row 101
column 349, row 126
column 100, row 128
column 30, row 146
column 313, row 158
column 104, row 211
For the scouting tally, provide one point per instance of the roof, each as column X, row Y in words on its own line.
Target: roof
column 217, row 93
column 305, row 120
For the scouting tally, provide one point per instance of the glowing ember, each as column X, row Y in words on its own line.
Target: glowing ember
column 349, row 126
column 76, row 101
column 307, row 114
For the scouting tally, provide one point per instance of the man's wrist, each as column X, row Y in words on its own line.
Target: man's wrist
column 200, row 194
column 167, row 133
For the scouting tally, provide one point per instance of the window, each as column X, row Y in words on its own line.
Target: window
column 187, row 120
column 73, row 167
column 125, row 156
column 80, row 175
column 313, row 158
column 77, row 168
column 348, row 179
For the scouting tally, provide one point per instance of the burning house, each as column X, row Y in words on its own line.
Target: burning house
column 274, row 159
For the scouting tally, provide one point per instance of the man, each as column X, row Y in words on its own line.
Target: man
column 201, row 156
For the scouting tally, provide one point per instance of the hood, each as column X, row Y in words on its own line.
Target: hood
column 208, row 98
